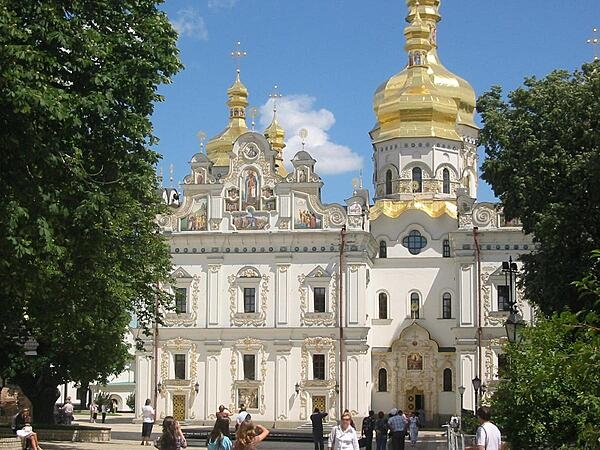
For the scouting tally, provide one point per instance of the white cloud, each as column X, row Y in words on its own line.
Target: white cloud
column 295, row 112
column 189, row 22
column 221, row 4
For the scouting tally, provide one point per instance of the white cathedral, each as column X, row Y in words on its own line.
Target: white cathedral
column 284, row 304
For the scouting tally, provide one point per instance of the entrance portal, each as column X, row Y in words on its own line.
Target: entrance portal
column 415, row 400
column 179, row 407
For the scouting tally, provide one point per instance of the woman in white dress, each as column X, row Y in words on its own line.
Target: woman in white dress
column 343, row 436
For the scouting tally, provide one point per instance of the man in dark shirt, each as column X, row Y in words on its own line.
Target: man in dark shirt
column 368, row 425
column 317, row 428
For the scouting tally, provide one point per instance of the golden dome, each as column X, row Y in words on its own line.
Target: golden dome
column 400, row 122
column 276, row 137
column 219, row 147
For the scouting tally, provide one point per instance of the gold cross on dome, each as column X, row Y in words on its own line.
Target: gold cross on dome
column 275, row 95
column 201, row 135
column 238, row 54
column 594, row 41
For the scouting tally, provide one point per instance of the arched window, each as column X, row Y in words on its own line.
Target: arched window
column 382, row 249
column 447, row 380
column 382, row 380
column 388, row 182
column 446, row 181
column 446, row 306
column 417, row 179
column 414, row 305
column 383, row 305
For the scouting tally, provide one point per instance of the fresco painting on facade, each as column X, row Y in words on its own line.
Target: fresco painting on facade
column 414, row 361
column 250, row 189
column 250, row 220
column 248, row 397
column 198, row 219
column 304, row 216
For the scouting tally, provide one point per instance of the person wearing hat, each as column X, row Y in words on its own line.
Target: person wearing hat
column 397, row 426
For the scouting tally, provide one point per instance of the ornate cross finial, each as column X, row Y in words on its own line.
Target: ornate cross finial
column 594, row 41
column 238, row 54
column 201, row 135
column 171, row 170
column 275, row 95
column 253, row 114
column 303, row 133
column 160, row 176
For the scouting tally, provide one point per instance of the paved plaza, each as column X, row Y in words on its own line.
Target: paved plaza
column 126, row 436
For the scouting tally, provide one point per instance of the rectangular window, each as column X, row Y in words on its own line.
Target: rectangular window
column 503, row 300
column 318, row 367
column 249, row 300
column 446, row 306
column 249, row 367
column 180, row 367
column 319, row 293
column 446, row 248
column 180, row 300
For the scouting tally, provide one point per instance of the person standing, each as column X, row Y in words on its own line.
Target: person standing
column 104, row 410
column 381, row 431
column 67, row 410
column 488, row 435
column 397, row 426
column 413, row 428
column 223, row 419
column 241, row 417
column 368, row 425
column 216, row 439
column 343, row 436
column 93, row 412
column 147, row 422
column 248, row 435
column 317, row 428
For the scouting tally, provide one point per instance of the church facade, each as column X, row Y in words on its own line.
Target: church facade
column 284, row 304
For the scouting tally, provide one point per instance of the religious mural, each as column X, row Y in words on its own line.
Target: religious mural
column 268, row 199
column 414, row 361
column 304, row 216
column 250, row 189
column 199, row 176
column 250, row 220
column 248, row 397
column 197, row 220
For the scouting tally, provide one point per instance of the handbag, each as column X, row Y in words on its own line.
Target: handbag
column 362, row 442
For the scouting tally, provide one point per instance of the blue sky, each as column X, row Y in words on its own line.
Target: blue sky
column 327, row 58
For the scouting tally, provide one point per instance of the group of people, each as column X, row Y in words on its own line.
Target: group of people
column 247, row 434
column 344, row 436
column 94, row 412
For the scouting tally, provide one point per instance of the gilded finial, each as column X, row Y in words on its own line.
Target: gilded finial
column 253, row 114
column 238, row 54
column 594, row 41
column 303, row 133
column 201, row 135
column 171, row 170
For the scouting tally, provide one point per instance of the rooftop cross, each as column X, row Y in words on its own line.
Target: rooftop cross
column 201, row 135
column 303, row 133
column 253, row 114
column 594, row 41
column 238, row 54
column 275, row 95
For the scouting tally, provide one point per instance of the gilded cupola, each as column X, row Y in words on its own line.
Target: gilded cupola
column 275, row 134
column 219, row 147
column 397, row 116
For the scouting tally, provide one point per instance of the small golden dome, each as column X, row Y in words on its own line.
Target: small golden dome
column 276, row 137
column 219, row 147
column 391, row 121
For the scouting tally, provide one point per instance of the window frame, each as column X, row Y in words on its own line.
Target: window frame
column 445, row 181
column 383, row 299
column 446, row 248
column 178, row 300
column 447, row 382
column 415, row 298
column 411, row 238
column 319, row 362
column 380, row 372
column 382, row 246
column 249, row 360
column 446, row 305
column 417, row 177
column 178, row 365
column 505, row 298
column 324, row 299
column 389, row 187
column 246, row 298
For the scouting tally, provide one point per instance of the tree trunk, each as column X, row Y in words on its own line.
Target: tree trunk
column 42, row 393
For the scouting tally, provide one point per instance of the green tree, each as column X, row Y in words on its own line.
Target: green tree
column 80, row 252
column 543, row 159
column 552, row 399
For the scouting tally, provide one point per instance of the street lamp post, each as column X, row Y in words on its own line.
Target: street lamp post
column 514, row 323
column 476, row 386
column 461, row 391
